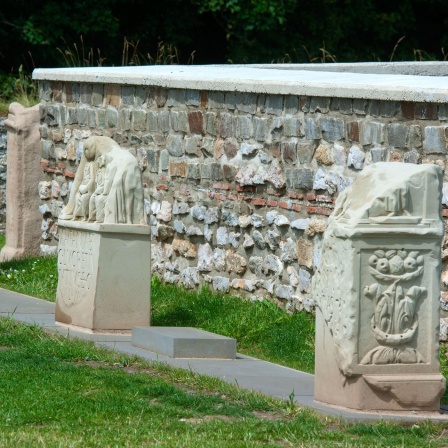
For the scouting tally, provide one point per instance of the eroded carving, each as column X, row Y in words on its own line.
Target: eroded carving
column 394, row 320
column 377, row 290
column 107, row 186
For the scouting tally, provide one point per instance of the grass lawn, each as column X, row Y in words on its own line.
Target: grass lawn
column 61, row 392
column 58, row 392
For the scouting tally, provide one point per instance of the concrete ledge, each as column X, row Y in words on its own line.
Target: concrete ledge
column 184, row 342
column 276, row 81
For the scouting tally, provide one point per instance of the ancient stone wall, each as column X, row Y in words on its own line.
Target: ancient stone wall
column 238, row 186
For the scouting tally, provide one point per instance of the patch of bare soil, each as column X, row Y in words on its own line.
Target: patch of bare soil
column 266, row 415
column 207, row 418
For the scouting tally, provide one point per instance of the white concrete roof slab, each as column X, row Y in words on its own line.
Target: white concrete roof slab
column 262, row 80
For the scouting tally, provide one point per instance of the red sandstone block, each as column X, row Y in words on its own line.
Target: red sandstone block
column 69, row 174
column 445, row 212
column 232, row 197
column 221, row 197
column 259, row 201
column 323, row 198
column 284, row 204
column 44, row 163
column 296, row 207
column 273, row 192
column 161, row 187
column 272, row 203
column 221, row 186
column 61, row 165
column 323, row 211
column 196, row 122
column 246, row 188
column 244, row 198
column 184, row 192
column 294, row 195
column 310, row 196
column 311, row 209
column 204, row 99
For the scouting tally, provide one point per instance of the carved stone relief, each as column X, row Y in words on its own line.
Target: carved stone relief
column 107, row 186
column 394, row 298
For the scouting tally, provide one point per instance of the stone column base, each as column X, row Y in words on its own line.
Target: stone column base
column 104, row 275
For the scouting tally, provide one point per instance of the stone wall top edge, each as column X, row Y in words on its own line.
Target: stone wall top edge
column 387, row 87
column 417, row 68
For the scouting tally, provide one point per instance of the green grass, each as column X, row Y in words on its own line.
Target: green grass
column 17, row 87
column 37, row 277
column 261, row 329
column 61, row 392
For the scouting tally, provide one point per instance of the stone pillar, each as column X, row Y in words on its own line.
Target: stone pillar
column 377, row 293
column 22, row 177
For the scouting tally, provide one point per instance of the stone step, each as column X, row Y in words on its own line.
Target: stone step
column 184, row 342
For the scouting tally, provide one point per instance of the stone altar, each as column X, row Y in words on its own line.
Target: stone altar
column 377, row 293
column 104, row 243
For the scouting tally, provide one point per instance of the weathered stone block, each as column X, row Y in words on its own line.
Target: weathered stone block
column 215, row 100
column 356, row 158
column 164, row 120
column 372, row 132
column 153, row 121
column 319, row 104
column 274, row 104
column 377, row 314
column 291, row 104
column 301, row 179
column 312, row 129
column 196, row 122
column 127, row 95
column 211, row 123
column 228, row 125
column 261, row 128
column 124, row 121
column 96, row 290
column 139, row 120
column 175, row 97
column 332, row 128
column 435, row 141
column 398, row 135
column 175, row 145
column 291, row 126
column 305, row 150
column 245, row 127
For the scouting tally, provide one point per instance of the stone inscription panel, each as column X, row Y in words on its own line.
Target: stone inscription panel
column 75, row 265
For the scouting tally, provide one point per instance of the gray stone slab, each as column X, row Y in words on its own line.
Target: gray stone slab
column 184, row 342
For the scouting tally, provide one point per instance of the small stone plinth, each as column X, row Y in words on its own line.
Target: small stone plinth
column 104, row 275
column 184, row 342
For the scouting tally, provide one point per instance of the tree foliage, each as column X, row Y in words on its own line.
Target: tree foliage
column 217, row 31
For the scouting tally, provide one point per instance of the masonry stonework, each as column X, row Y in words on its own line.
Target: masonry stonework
column 238, row 186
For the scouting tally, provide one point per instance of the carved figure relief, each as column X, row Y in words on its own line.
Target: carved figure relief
column 107, row 186
column 394, row 321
